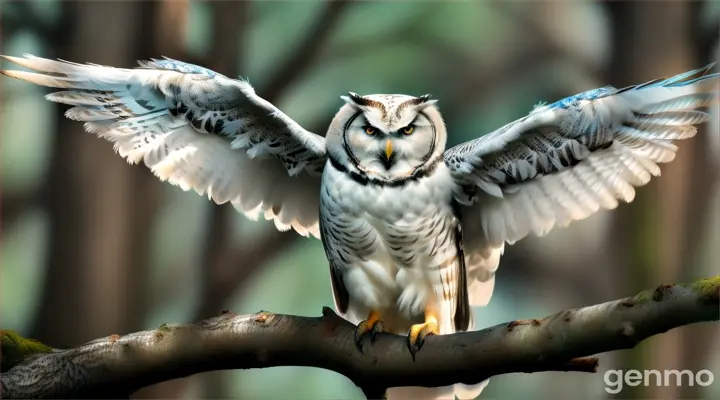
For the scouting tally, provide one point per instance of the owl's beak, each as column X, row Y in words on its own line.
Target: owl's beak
column 388, row 149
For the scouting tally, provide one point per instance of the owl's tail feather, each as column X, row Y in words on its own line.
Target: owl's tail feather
column 462, row 392
column 459, row 390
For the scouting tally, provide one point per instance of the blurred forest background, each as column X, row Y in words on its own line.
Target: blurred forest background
column 92, row 246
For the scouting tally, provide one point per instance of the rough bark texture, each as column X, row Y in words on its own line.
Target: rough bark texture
column 116, row 366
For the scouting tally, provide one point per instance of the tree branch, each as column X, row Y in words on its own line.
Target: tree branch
column 306, row 52
column 117, row 366
column 483, row 79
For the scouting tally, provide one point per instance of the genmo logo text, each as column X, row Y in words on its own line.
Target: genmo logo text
column 616, row 379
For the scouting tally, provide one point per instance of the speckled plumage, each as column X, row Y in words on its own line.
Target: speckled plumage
column 386, row 244
column 409, row 228
column 197, row 129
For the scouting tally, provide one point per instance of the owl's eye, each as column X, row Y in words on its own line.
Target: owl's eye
column 408, row 130
column 370, row 130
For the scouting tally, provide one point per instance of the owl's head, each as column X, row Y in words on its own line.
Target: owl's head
column 386, row 137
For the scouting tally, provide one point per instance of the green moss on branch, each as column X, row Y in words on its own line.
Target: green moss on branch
column 16, row 348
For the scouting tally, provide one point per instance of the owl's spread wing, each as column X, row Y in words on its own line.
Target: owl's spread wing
column 197, row 129
column 566, row 160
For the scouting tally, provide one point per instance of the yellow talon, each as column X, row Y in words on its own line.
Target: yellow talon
column 418, row 333
column 372, row 326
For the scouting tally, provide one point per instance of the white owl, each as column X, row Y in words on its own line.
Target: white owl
column 413, row 232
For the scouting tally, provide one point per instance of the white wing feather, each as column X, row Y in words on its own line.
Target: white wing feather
column 198, row 130
column 567, row 160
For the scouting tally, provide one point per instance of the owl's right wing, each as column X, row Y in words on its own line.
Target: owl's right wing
column 197, row 129
column 567, row 160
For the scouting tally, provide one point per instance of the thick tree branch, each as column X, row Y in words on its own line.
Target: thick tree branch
column 116, row 366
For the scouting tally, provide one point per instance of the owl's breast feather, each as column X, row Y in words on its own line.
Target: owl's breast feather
column 396, row 205
column 388, row 243
column 407, row 227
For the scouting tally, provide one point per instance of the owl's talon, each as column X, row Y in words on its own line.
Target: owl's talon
column 371, row 326
column 417, row 334
column 377, row 328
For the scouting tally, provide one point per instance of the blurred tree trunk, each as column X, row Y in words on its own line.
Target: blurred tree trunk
column 226, row 49
column 166, row 23
column 653, row 239
column 703, row 179
column 100, row 208
column 24, row 18
column 228, row 22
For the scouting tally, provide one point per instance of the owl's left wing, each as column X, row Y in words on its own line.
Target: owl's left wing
column 197, row 129
column 566, row 160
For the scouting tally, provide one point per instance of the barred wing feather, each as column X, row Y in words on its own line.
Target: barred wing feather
column 197, row 129
column 566, row 160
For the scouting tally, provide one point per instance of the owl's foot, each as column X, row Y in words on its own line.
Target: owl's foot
column 418, row 333
column 371, row 326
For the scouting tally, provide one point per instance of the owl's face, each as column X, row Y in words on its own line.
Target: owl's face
column 386, row 137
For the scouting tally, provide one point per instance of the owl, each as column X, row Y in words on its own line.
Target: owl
column 413, row 231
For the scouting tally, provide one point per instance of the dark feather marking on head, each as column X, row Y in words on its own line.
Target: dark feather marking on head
column 412, row 102
column 424, row 169
column 346, row 146
column 434, row 140
column 365, row 102
column 357, row 99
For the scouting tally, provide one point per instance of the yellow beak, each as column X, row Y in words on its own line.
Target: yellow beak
column 388, row 149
